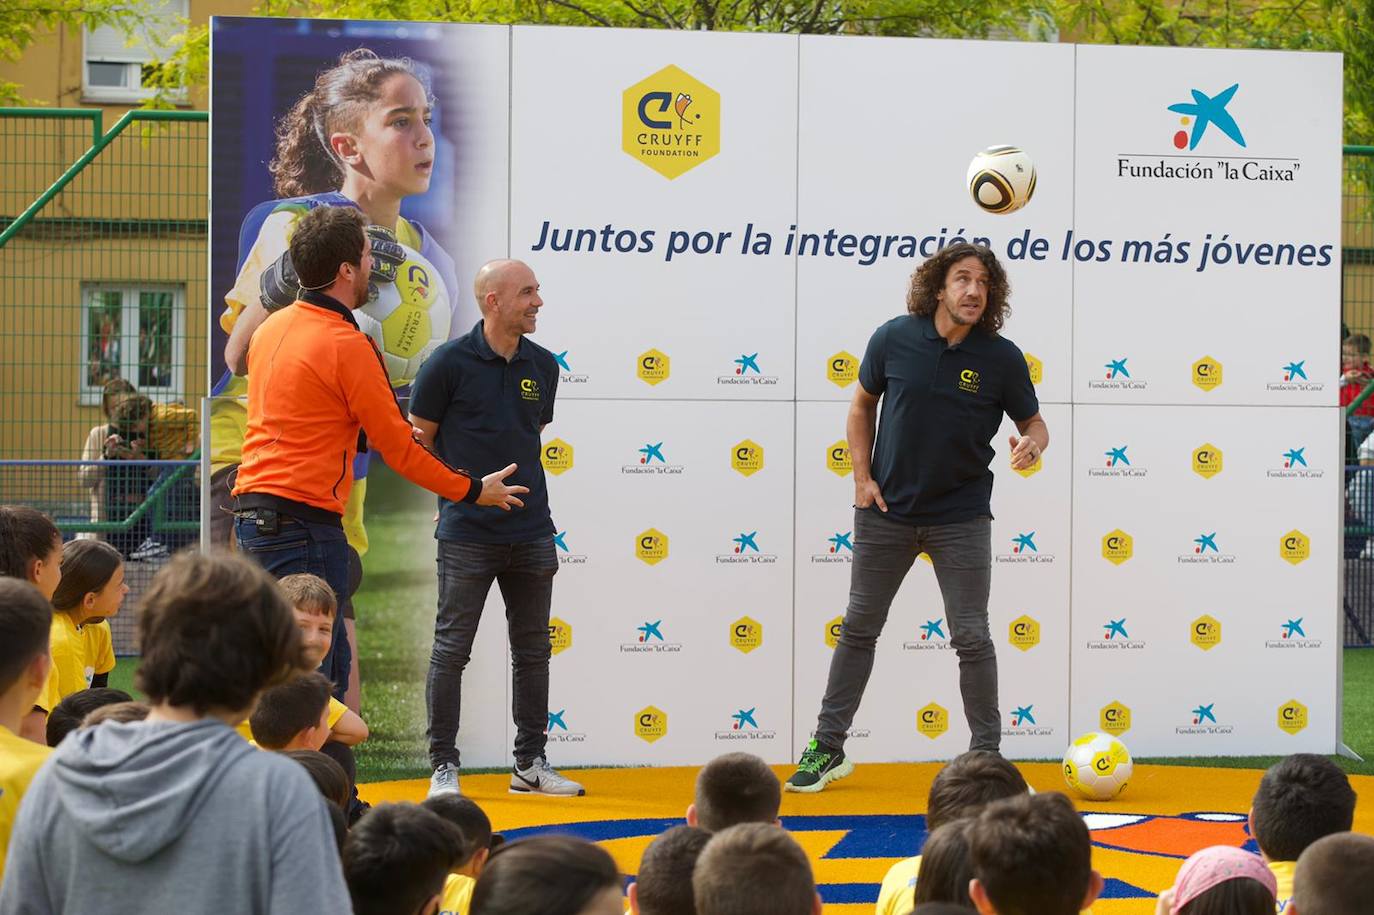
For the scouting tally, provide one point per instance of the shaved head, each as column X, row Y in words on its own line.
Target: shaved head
column 497, row 276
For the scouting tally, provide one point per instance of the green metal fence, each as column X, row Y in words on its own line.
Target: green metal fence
column 103, row 245
column 103, row 259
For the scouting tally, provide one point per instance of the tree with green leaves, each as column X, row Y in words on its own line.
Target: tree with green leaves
column 24, row 21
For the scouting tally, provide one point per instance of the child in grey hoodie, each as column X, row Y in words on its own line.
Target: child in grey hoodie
column 178, row 813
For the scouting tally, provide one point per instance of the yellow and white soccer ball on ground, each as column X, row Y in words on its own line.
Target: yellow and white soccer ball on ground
column 1097, row 766
column 1001, row 179
column 409, row 318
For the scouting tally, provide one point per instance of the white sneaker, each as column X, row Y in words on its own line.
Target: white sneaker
column 444, row 781
column 542, row 778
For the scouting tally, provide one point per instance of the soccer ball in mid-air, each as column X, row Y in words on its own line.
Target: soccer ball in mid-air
column 1001, row 179
column 409, row 318
column 1097, row 766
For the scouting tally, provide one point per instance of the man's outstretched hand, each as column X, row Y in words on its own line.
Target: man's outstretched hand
column 496, row 492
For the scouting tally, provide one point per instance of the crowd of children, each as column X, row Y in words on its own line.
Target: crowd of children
column 230, row 787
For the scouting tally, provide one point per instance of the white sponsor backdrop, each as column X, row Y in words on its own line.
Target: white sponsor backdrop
column 869, row 139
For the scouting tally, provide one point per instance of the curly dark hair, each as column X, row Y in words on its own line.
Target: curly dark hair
column 304, row 162
column 929, row 279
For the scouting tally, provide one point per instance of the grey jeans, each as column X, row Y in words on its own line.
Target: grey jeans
column 884, row 550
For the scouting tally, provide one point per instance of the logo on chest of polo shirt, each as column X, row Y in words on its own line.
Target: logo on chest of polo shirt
column 529, row 389
column 968, row 381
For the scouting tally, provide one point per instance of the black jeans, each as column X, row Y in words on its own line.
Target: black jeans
column 524, row 572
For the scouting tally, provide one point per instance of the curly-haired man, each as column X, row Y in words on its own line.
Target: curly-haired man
column 944, row 376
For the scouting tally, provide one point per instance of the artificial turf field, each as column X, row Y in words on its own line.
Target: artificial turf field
column 853, row 831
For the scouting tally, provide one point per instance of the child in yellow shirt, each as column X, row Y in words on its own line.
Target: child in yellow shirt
column 476, row 829
column 91, row 591
column 293, row 715
column 25, row 618
column 31, row 550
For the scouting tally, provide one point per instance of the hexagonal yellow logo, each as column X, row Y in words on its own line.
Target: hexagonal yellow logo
column 1292, row 716
column 1033, row 469
column 747, row 457
column 1024, row 632
column 557, row 456
column 1114, row 718
column 832, row 631
column 652, row 367
column 1207, row 460
column 1035, row 367
column 1207, row 373
column 670, row 121
column 652, row 546
column 1205, row 632
column 932, row 720
column 560, row 635
column 1117, row 546
column 837, row 459
column 651, row 723
column 746, row 634
column 842, row 369
column 1295, row 547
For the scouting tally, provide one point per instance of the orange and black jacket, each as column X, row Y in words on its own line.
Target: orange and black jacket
column 315, row 379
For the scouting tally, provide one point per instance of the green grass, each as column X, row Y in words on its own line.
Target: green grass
column 396, row 626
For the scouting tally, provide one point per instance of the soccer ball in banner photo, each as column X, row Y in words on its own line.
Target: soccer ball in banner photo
column 1097, row 766
column 1001, row 179
column 409, row 318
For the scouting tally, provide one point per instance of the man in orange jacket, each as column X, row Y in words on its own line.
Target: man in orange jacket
column 318, row 392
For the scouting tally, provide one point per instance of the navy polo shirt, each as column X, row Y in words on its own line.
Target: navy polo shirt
column 489, row 413
column 941, row 406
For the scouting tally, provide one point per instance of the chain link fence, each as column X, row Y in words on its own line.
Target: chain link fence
column 102, row 328
column 1357, row 390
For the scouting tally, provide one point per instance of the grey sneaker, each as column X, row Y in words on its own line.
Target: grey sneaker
column 819, row 766
column 444, row 781
column 542, row 778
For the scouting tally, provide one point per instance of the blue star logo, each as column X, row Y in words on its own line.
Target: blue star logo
column 1117, row 367
column 1022, row 715
column 650, row 452
column 1293, row 627
column 1023, row 542
column 1116, row 627
column 562, row 360
column 560, row 541
column 841, row 542
column 1206, row 542
column 650, row 631
column 1117, row 456
column 745, row 718
column 556, row 720
column 933, row 629
column 1204, row 713
column 1210, row 111
column 746, row 542
column 746, row 363
column 1294, row 370
column 1293, row 457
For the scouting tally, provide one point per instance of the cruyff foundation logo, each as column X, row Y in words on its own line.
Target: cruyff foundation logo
column 670, row 121
column 651, row 723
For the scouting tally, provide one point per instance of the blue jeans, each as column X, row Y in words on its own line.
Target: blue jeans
column 524, row 572
column 304, row 546
column 884, row 550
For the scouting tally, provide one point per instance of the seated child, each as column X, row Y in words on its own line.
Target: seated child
column 475, row 829
column 754, row 869
column 293, row 715
column 1220, row 879
column 91, row 591
column 31, row 550
column 396, row 858
column 328, row 775
column 1332, row 876
column 1032, row 856
column 962, row 788
column 1300, row 799
column 71, row 712
column 735, row 788
column 123, row 712
column 946, row 865
column 550, row 873
column 25, row 620
column 663, row 885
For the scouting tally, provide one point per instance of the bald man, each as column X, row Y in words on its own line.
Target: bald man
column 482, row 400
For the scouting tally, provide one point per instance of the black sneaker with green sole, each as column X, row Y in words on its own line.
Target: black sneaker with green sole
column 819, row 766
